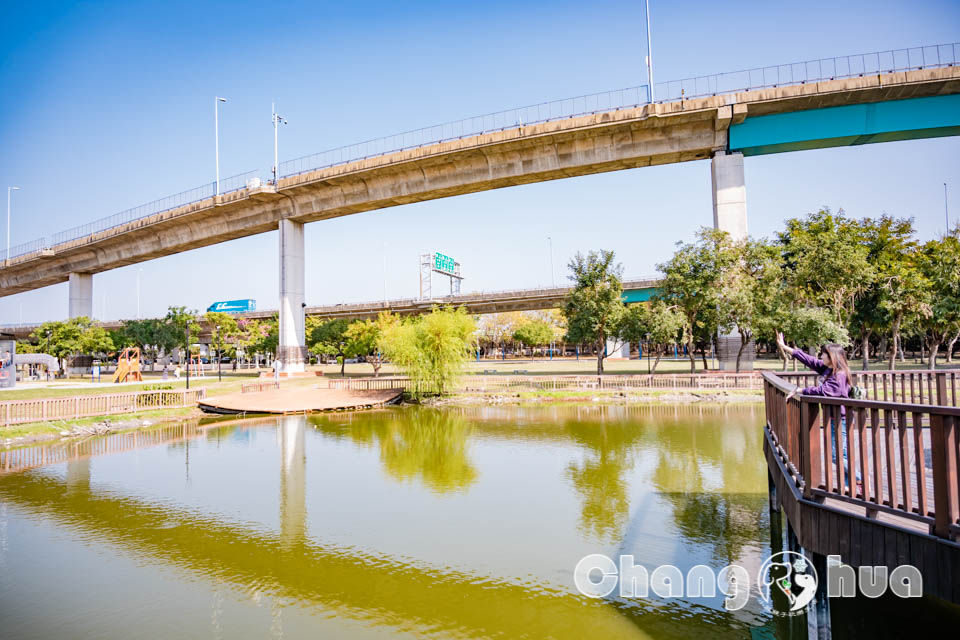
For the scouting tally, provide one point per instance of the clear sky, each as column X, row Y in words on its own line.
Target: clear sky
column 107, row 105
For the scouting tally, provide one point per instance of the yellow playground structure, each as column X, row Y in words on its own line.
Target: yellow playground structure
column 128, row 366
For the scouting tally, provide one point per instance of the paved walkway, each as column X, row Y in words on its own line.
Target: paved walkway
column 299, row 400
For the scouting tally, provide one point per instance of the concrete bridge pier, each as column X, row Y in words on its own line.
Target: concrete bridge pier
column 81, row 295
column 730, row 215
column 292, row 347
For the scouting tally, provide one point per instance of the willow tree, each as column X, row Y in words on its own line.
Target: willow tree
column 431, row 349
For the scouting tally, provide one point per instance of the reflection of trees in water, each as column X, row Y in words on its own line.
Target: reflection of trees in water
column 599, row 477
column 715, row 485
column 428, row 444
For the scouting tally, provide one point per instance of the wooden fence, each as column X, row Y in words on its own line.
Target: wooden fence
column 914, row 386
column 74, row 407
column 897, row 457
column 256, row 387
column 518, row 383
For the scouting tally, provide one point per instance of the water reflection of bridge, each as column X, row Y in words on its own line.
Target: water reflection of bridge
column 356, row 583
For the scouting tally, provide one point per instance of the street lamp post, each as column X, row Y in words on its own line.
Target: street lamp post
column 277, row 121
column 216, row 135
column 139, row 271
column 219, row 358
column 553, row 278
column 9, row 189
column 649, row 54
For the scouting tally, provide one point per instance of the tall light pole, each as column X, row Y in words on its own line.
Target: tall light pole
column 9, row 189
column 139, row 271
column 649, row 54
column 277, row 121
column 553, row 278
column 216, row 135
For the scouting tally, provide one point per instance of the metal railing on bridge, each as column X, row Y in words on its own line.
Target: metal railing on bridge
column 880, row 62
column 184, row 198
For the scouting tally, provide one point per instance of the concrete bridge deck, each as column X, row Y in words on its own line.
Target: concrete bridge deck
column 647, row 135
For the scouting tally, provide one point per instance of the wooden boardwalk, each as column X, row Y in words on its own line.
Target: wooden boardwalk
column 285, row 401
column 902, row 505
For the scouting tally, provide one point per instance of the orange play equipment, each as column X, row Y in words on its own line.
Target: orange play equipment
column 128, row 366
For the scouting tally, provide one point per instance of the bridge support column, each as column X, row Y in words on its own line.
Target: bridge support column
column 292, row 349
column 730, row 215
column 81, row 295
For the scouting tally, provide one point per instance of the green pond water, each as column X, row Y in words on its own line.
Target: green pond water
column 405, row 522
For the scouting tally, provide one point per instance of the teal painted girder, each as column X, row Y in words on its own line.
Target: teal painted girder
column 854, row 124
column 639, row 295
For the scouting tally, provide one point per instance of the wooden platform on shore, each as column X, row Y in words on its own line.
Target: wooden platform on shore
column 299, row 401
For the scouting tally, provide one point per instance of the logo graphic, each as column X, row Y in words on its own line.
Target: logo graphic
column 787, row 583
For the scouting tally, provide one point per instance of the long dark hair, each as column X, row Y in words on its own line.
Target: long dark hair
column 838, row 358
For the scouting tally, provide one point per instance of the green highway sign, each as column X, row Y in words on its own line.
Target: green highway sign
column 443, row 263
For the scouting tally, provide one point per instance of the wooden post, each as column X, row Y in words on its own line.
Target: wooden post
column 942, row 398
column 810, row 443
column 943, row 441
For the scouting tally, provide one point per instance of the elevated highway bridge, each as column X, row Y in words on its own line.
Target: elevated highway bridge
column 837, row 102
column 484, row 302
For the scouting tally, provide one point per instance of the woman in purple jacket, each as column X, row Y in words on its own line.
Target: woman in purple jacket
column 835, row 382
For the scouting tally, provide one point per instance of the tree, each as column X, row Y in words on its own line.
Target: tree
column 810, row 327
column 71, row 338
column 431, row 349
column 594, row 307
column 180, row 329
column 329, row 339
column 691, row 283
column 534, row 333
column 259, row 336
column 750, row 291
column 826, row 262
column 940, row 317
column 656, row 322
column 362, row 337
column 224, row 327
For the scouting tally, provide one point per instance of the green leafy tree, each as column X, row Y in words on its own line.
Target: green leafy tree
column 534, row 333
column 224, row 327
column 750, row 291
column 258, row 335
column 657, row 323
column 594, row 308
column 431, row 349
column 810, row 327
column 888, row 242
column 826, row 262
column 362, row 340
column 180, row 329
column 940, row 318
column 330, row 339
column 70, row 338
column 692, row 281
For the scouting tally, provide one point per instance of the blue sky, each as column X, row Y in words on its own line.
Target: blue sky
column 107, row 105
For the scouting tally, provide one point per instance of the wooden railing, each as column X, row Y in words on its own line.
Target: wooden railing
column 901, row 457
column 74, row 407
column 914, row 386
column 516, row 383
column 256, row 387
